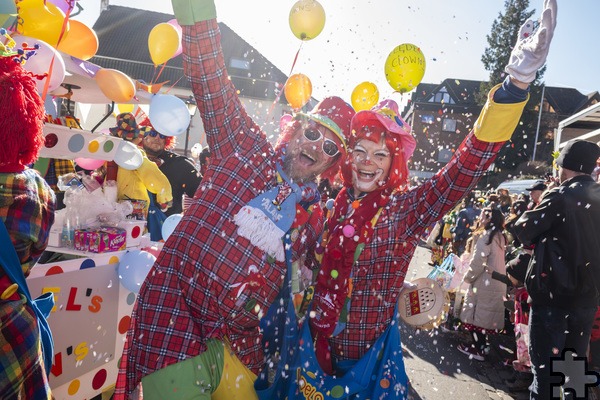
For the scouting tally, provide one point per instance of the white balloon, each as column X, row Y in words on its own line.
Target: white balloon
column 128, row 156
column 169, row 115
column 39, row 64
column 169, row 225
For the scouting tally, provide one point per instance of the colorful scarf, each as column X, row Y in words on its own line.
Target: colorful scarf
column 350, row 228
column 266, row 218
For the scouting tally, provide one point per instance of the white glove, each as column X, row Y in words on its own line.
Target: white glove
column 531, row 49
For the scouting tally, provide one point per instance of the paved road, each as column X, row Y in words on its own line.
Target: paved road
column 437, row 370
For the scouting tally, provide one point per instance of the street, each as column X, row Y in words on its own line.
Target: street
column 437, row 370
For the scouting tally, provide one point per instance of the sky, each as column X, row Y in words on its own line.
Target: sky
column 359, row 34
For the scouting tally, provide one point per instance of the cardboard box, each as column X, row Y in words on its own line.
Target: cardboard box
column 135, row 230
column 107, row 238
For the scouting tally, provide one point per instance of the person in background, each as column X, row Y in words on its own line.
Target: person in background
column 564, row 277
column 27, row 205
column 535, row 193
column 464, row 224
column 194, row 329
column 204, row 160
column 138, row 183
column 179, row 170
column 483, row 309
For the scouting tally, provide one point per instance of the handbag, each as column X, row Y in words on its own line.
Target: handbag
column 293, row 372
column 155, row 219
column 42, row 305
column 444, row 273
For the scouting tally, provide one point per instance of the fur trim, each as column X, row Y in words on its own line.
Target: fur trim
column 255, row 226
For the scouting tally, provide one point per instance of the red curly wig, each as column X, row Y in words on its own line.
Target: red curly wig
column 169, row 141
column 22, row 117
column 398, row 176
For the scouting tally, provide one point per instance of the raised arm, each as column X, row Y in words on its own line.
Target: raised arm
column 228, row 127
column 495, row 125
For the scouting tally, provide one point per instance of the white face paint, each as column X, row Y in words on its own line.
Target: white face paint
column 371, row 164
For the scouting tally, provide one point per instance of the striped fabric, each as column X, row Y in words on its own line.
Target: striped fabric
column 380, row 271
column 27, row 206
column 191, row 293
column 22, row 374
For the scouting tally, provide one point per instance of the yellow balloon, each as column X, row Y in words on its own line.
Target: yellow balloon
column 82, row 41
column 44, row 22
column 405, row 67
column 364, row 96
column 298, row 90
column 307, row 19
column 115, row 85
column 163, row 43
column 124, row 108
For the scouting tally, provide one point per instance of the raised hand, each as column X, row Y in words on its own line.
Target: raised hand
column 531, row 49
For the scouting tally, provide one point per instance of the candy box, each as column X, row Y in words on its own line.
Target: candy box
column 107, row 238
column 81, row 240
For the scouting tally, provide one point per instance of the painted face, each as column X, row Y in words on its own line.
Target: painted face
column 370, row 165
column 312, row 149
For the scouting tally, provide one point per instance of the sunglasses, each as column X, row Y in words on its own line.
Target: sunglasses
column 153, row 133
column 330, row 148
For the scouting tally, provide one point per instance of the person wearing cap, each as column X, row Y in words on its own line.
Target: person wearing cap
column 378, row 220
column 535, row 192
column 179, row 170
column 194, row 330
column 563, row 280
column 27, row 205
column 136, row 184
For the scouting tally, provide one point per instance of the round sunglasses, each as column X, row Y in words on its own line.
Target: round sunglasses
column 330, row 148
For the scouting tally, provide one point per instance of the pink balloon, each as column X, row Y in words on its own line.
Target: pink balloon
column 284, row 120
column 64, row 5
column 173, row 22
column 89, row 164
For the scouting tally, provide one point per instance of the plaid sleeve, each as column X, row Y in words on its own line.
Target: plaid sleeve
column 27, row 205
column 228, row 127
column 436, row 197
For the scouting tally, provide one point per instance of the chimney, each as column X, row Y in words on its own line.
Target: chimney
column 104, row 5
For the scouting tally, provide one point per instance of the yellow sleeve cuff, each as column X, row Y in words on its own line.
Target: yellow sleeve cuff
column 497, row 122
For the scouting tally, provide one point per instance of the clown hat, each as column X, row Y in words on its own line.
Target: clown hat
column 334, row 114
column 127, row 127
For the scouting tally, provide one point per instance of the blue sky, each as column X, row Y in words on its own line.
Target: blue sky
column 359, row 34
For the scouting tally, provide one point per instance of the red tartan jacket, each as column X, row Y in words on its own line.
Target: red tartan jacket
column 191, row 292
column 378, row 274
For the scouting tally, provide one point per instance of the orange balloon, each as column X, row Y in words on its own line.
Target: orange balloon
column 81, row 42
column 298, row 90
column 44, row 22
column 115, row 85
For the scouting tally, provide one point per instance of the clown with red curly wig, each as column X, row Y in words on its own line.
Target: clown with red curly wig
column 27, row 205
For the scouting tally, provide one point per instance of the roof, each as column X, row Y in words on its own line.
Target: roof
column 118, row 25
column 565, row 101
column 463, row 91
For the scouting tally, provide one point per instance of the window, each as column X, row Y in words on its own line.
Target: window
column 427, row 119
column 448, row 125
column 441, row 96
column 444, row 155
column 239, row 64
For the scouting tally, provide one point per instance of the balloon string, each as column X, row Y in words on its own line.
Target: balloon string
column 281, row 91
column 159, row 72
column 173, row 85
